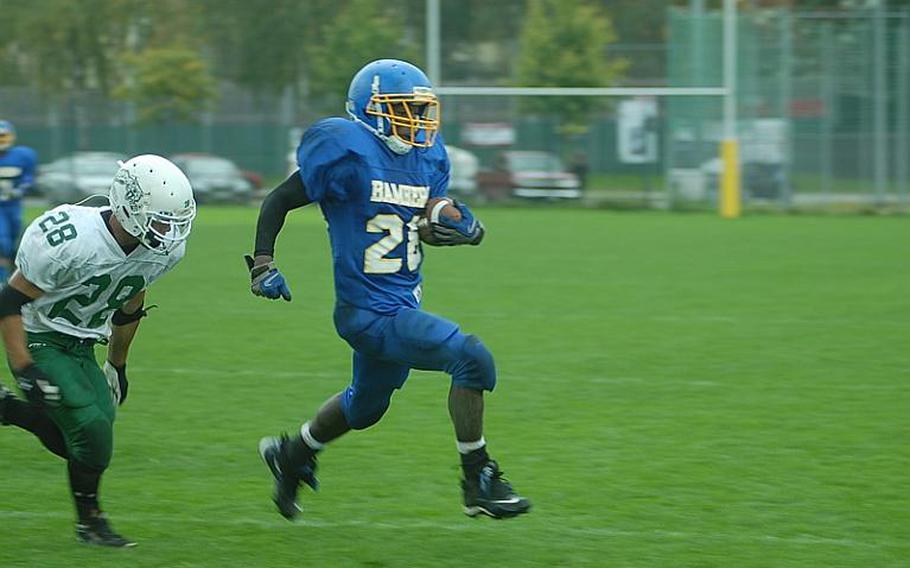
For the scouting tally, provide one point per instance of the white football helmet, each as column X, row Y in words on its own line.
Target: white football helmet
column 153, row 201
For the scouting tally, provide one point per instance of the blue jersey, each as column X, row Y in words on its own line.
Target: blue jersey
column 371, row 199
column 17, row 171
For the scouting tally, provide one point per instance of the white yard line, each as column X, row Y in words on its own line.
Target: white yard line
column 468, row 525
column 650, row 381
column 252, row 372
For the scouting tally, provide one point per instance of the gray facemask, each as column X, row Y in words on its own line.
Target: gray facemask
column 397, row 145
column 394, row 143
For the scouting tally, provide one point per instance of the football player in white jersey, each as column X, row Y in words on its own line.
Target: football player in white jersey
column 81, row 275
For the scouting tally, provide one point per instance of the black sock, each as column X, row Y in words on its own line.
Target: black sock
column 473, row 461
column 297, row 452
column 84, row 483
column 33, row 419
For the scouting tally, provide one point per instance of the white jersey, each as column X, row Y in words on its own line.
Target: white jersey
column 70, row 254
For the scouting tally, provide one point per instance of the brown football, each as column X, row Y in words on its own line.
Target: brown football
column 435, row 207
column 441, row 206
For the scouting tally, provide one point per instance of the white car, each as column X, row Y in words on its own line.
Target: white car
column 463, row 173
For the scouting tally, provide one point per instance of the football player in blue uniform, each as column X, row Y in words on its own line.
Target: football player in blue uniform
column 17, row 173
column 372, row 177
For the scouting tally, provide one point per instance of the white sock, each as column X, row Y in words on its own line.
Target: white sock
column 468, row 447
column 308, row 438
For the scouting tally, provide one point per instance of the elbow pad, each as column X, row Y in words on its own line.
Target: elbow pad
column 122, row 318
column 11, row 301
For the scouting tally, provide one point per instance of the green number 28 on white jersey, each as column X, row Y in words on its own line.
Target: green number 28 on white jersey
column 69, row 308
column 71, row 254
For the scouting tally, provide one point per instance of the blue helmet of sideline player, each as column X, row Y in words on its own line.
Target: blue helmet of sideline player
column 7, row 135
column 396, row 102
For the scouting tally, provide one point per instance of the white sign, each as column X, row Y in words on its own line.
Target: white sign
column 636, row 137
column 488, row 134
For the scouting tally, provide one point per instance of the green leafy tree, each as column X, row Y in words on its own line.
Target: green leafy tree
column 68, row 49
column 10, row 73
column 564, row 44
column 114, row 47
column 161, row 69
column 362, row 31
column 68, row 44
column 167, row 84
column 261, row 47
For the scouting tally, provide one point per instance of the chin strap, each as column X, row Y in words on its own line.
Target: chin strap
column 95, row 196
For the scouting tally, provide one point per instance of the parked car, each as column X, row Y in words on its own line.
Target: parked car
column 529, row 174
column 214, row 178
column 757, row 179
column 74, row 177
column 463, row 173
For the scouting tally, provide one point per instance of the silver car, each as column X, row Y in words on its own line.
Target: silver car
column 74, row 177
column 214, row 178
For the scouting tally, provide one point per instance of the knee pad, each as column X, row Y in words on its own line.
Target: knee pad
column 363, row 409
column 94, row 445
column 475, row 368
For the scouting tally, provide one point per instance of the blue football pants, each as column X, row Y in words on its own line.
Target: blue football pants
column 387, row 347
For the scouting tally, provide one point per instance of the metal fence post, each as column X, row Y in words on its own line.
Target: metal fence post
column 786, row 94
column 880, row 97
column 828, row 49
column 902, row 146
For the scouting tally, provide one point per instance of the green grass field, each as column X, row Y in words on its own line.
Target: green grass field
column 675, row 390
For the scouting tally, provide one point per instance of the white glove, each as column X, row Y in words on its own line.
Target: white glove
column 116, row 380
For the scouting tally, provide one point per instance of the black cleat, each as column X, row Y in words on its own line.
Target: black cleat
column 97, row 531
column 287, row 481
column 490, row 494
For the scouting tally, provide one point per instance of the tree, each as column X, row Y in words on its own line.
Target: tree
column 68, row 49
column 69, row 44
column 564, row 44
column 113, row 47
column 161, row 69
column 263, row 48
column 167, row 84
column 362, row 31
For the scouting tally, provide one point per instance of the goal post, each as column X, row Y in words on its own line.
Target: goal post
column 729, row 198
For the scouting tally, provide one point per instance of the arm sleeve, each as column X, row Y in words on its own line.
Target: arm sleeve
column 290, row 194
column 11, row 301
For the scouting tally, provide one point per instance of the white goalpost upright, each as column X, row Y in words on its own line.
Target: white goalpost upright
column 729, row 201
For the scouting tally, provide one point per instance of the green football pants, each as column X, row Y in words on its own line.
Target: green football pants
column 86, row 411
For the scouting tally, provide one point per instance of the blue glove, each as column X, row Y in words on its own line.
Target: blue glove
column 449, row 232
column 267, row 281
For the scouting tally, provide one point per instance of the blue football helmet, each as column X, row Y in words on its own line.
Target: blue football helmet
column 395, row 100
column 7, row 135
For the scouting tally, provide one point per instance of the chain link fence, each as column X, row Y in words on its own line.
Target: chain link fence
column 822, row 106
column 822, row 99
